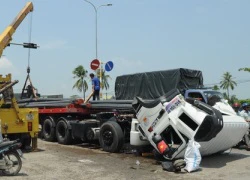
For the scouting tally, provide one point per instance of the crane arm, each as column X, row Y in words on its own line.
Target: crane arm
column 6, row 36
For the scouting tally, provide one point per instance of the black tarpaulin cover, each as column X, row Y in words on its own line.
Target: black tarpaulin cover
column 151, row 85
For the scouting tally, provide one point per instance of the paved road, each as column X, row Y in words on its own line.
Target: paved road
column 55, row 161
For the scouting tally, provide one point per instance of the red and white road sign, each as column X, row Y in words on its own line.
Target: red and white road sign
column 95, row 64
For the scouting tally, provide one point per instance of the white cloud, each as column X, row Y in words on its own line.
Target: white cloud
column 5, row 63
column 6, row 67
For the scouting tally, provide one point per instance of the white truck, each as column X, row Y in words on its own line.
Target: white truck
column 170, row 121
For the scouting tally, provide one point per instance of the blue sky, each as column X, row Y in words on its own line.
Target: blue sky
column 136, row 35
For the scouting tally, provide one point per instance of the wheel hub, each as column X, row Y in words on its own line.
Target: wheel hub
column 108, row 137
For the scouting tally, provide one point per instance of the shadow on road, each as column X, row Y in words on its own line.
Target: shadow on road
column 19, row 174
column 220, row 160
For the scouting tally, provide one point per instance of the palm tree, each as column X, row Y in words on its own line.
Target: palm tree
column 104, row 80
column 225, row 95
column 227, row 82
column 81, row 85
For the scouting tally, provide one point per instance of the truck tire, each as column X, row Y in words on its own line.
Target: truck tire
column 63, row 133
column 111, row 137
column 49, row 131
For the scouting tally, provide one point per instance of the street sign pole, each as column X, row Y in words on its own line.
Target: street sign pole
column 96, row 64
column 101, row 73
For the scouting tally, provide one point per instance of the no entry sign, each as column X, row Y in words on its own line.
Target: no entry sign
column 95, row 64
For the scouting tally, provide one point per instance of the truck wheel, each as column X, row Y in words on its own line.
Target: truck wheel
column 111, row 137
column 63, row 133
column 48, row 130
column 89, row 135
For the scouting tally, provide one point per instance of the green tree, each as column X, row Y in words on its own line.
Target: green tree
column 104, row 79
column 227, row 82
column 225, row 95
column 233, row 99
column 244, row 69
column 80, row 74
column 216, row 88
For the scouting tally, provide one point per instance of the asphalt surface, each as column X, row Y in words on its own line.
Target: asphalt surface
column 75, row 162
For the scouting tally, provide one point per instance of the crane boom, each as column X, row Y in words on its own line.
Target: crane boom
column 6, row 36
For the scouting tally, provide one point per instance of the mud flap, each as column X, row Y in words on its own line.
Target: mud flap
column 34, row 143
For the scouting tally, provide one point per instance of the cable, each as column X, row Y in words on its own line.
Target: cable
column 30, row 31
column 28, row 68
column 238, row 82
column 243, row 81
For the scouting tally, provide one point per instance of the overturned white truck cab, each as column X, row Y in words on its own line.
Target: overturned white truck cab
column 169, row 122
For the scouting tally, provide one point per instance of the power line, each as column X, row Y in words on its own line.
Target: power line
column 243, row 81
column 238, row 82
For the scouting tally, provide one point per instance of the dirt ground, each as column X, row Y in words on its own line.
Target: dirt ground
column 54, row 161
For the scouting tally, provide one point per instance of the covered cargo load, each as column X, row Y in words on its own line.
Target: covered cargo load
column 151, row 85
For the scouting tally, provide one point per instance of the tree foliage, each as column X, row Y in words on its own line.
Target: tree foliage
column 104, row 80
column 244, row 69
column 216, row 88
column 80, row 74
column 227, row 83
column 232, row 99
column 244, row 100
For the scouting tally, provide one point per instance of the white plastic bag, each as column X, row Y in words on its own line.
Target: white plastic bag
column 192, row 156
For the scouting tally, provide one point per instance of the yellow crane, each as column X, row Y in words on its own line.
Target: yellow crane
column 6, row 36
column 16, row 123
